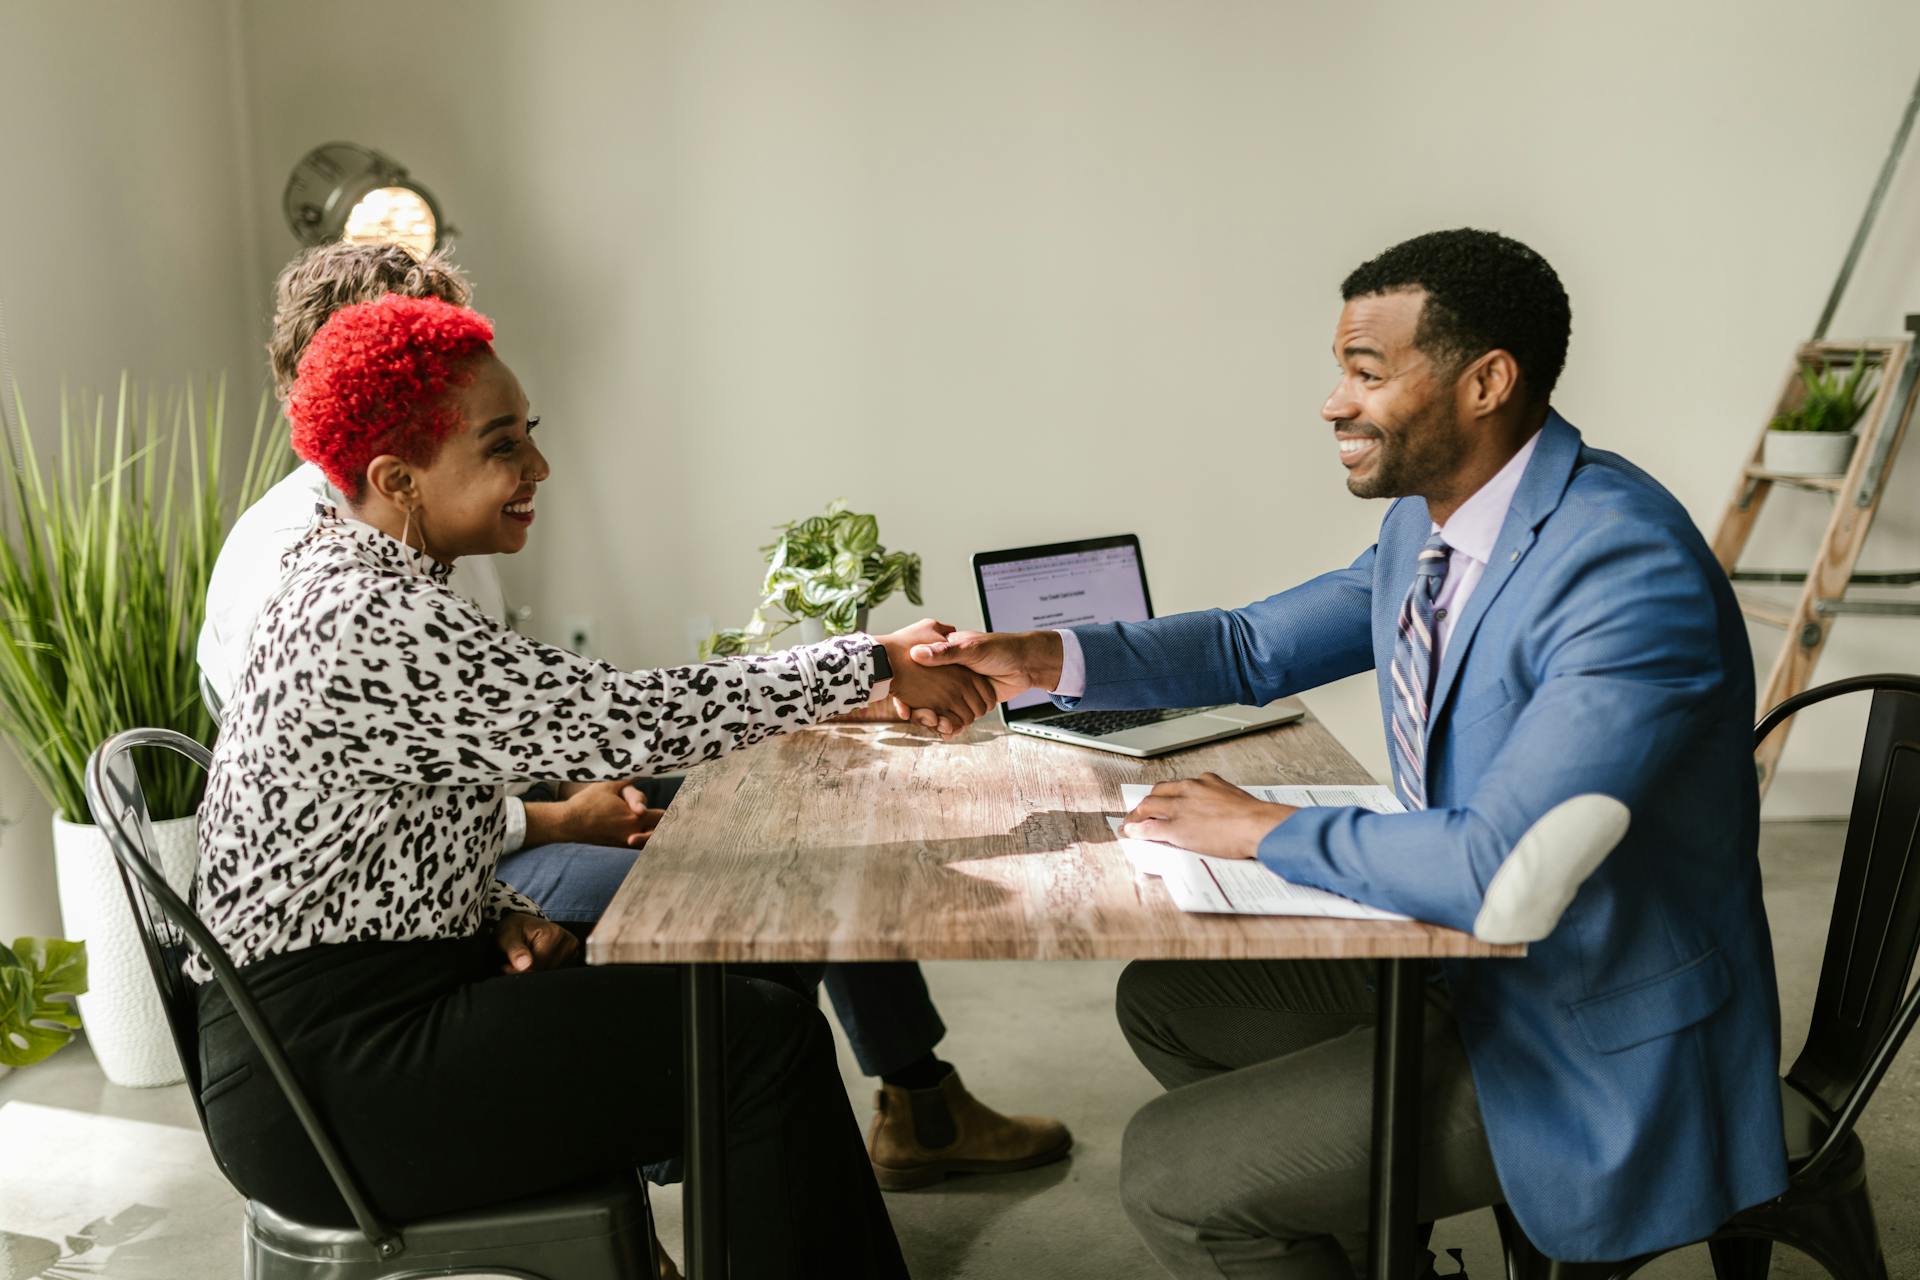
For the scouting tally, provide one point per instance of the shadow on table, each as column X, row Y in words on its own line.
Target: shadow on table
column 895, row 733
column 1051, row 830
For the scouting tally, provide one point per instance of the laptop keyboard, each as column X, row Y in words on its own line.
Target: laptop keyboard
column 1101, row 724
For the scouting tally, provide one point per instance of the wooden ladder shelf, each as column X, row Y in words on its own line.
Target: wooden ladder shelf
column 1856, row 498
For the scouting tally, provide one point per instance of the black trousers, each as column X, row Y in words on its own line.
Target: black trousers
column 451, row 1086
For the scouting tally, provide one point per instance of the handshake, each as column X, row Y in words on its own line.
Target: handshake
column 945, row 679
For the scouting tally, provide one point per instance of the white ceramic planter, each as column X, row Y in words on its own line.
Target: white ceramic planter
column 1808, row 453
column 125, row 1025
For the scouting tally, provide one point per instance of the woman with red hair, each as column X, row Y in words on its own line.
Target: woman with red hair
column 354, row 817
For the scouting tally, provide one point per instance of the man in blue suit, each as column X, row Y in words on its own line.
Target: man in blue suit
column 1566, row 688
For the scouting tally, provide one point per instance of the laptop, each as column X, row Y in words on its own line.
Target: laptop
column 1096, row 580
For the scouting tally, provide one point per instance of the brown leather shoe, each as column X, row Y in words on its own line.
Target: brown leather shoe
column 919, row 1136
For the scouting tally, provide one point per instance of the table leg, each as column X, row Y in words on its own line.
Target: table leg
column 704, row 1203
column 1399, row 989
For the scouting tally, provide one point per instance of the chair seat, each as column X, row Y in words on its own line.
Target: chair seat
column 602, row 1208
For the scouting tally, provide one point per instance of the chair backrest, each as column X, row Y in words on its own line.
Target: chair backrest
column 1863, row 1008
column 170, row 930
column 211, row 700
column 120, row 810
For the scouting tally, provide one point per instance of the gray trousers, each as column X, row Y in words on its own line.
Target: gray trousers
column 1255, row 1162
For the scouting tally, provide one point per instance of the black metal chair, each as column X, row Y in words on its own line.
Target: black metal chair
column 211, row 700
column 599, row 1231
column 1863, row 1011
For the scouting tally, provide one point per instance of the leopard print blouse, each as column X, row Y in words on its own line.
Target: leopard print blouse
column 358, row 782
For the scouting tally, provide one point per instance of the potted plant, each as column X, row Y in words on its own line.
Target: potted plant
column 1815, row 436
column 105, row 551
column 38, row 978
column 824, row 574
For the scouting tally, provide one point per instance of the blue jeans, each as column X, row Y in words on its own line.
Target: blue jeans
column 884, row 1007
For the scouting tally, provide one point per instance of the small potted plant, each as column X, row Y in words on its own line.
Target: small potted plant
column 824, row 574
column 39, row 977
column 1815, row 436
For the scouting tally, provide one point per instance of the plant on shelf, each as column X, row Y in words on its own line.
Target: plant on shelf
column 1830, row 402
column 108, row 531
column 38, row 978
column 829, row 569
column 1814, row 436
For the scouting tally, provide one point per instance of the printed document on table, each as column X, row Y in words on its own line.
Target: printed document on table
column 1240, row 886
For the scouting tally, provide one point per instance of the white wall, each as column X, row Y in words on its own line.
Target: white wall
column 124, row 244
column 938, row 258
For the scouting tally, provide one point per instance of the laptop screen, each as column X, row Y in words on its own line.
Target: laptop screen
column 1063, row 585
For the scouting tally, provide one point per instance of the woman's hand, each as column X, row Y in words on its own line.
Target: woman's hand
column 947, row 699
column 886, row 711
column 531, row 943
column 1206, row 815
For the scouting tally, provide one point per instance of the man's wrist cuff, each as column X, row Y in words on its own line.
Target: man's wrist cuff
column 1073, row 667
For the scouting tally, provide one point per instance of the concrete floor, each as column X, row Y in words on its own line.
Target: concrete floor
column 1041, row 1037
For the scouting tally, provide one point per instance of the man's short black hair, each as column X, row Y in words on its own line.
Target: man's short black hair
column 1484, row 291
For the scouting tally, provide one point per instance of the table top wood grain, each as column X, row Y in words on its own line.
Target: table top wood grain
column 881, row 842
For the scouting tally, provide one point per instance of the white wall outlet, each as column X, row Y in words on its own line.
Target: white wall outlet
column 576, row 633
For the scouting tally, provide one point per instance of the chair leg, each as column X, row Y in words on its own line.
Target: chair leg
column 1741, row 1257
column 1829, row 1218
column 651, row 1237
column 1524, row 1260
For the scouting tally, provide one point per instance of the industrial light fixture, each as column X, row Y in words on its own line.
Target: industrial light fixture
column 344, row 191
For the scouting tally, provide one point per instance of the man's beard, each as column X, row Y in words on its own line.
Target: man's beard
column 1416, row 458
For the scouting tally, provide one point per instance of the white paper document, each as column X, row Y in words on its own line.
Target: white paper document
column 1240, row 886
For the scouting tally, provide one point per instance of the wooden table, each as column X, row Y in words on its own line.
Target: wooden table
column 879, row 842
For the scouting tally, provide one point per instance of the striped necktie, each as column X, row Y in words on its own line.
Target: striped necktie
column 1413, row 663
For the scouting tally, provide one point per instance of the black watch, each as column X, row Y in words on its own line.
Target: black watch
column 882, row 665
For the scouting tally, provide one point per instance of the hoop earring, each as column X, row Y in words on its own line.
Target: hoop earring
column 420, row 556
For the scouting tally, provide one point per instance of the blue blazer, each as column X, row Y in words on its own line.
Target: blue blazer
column 1627, row 1068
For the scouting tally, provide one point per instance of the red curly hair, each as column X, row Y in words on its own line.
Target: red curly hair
column 375, row 380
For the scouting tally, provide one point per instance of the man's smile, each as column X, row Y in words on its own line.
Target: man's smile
column 1356, row 449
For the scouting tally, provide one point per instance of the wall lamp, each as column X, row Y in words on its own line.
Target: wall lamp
column 344, row 191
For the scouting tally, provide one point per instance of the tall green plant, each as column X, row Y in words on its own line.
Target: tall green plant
column 105, row 552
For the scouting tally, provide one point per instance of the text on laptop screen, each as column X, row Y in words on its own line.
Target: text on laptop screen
column 1064, row 591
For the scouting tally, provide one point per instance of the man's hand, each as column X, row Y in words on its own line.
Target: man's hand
column 947, row 700
column 606, row 813
column 610, row 813
column 1206, row 814
column 1012, row 661
column 531, row 944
